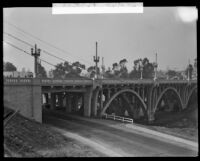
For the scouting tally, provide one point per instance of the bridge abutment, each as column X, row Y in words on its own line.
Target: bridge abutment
column 26, row 98
column 37, row 103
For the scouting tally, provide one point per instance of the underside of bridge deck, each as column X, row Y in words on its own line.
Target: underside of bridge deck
column 74, row 100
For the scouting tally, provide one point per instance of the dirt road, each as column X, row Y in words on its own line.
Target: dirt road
column 112, row 141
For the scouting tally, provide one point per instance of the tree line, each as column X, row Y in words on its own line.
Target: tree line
column 118, row 70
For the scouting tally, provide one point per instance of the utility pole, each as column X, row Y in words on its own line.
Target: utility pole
column 96, row 60
column 36, row 53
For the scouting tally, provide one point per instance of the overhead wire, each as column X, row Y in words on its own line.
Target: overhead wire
column 27, row 53
column 64, row 51
column 25, row 42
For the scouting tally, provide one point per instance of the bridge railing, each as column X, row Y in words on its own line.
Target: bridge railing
column 114, row 117
column 66, row 81
column 43, row 81
column 50, row 81
column 18, row 80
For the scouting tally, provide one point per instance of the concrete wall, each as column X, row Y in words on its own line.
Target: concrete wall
column 26, row 98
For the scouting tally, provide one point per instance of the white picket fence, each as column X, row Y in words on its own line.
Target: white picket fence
column 114, row 117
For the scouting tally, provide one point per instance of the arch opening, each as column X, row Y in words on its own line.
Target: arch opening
column 168, row 105
column 192, row 100
column 126, row 103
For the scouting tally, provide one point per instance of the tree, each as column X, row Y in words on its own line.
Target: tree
column 59, row 72
column 64, row 70
column 122, row 63
column 171, row 73
column 115, row 66
column 108, row 73
column 116, row 70
column 41, row 71
column 195, row 63
column 9, row 67
column 92, row 71
column 190, row 70
column 144, row 65
column 123, row 69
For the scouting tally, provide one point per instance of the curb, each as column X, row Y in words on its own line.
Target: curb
column 167, row 136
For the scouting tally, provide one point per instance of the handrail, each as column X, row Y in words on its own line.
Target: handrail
column 114, row 117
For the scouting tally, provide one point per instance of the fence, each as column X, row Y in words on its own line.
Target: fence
column 114, row 117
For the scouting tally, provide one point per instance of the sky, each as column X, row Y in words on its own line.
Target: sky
column 168, row 31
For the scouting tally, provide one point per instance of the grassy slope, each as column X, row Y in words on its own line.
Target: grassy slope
column 26, row 138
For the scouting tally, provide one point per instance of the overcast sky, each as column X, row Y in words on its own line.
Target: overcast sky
column 161, row 30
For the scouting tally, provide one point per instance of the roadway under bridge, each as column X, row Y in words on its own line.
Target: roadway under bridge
column 94, row 98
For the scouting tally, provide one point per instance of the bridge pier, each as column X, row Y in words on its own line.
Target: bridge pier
column 68, row 107
column 94, row 102
column 75, row 103
column 53, row 101
column 87, row 102
column 151, row 117
column 46, row 95
column 60, row 100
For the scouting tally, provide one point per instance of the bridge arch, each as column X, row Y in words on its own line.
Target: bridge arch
column 144, row 107
column 189, row 96
column 163, row 92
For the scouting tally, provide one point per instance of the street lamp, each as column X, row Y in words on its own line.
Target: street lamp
column 155, row 68
column 188, row 72
column 96, row 60
column 141, row 69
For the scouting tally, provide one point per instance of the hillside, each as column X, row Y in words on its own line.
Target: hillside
column 26, row 138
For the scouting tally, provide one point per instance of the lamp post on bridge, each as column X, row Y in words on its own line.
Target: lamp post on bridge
column 36, row 53
column 141, row 69
column 188, row 70
column 96, row 60
column 155, row 69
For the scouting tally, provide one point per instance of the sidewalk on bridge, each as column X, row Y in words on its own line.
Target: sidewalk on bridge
column 140, row 128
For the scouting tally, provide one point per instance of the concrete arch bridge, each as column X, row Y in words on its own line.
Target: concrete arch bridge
column 93, row 98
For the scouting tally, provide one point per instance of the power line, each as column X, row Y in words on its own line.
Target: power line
column 27, row 52
column 18, row 39
column 64, row 51
column 25, row 42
